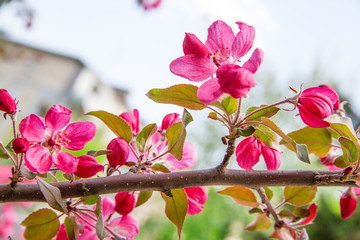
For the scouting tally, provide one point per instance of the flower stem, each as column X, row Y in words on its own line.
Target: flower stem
column 278, row 223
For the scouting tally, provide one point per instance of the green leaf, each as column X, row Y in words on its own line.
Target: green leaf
column 115, row 123
column 300, row 149
column 350, row 152
column 267, row 136
column 340, row 162
column 98, row 153
column 186, row 118
column 227, row 103
column 3, row 154
column 184, row 95
column 246, row 132
column 267, row 112
column 213, row 116
column 89, row 200
column 175, row 135
column 52, row 196
column 269, row 193
column 100, row 227
column 142, row 142
column 98, row 208
column 299, row 196
column 301, row 212
column 261, row 223
column 317, row 140
column 143, row 197
column 176, row 208
column 160, row 168
column 41, row 225
column 69, row 227
column 255, row 210
column 241, row 195
column 343, row 127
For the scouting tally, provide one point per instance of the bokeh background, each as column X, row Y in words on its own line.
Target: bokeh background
column 130, row 49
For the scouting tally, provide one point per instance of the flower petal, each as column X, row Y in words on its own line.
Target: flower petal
column 197, row 197
column 248, row 152
column 38, row 159
column 243, row 40
column 193, row 67
column 210, row 91
column 192, row 45
column 108, row 208
column 271, row 156
column 132, row 119
column 311, row 119
column 255, row 61
column 57, row 118
column 79, row 134
column 128, row 225
column 220, row 37
column 65, row 161
column 188, row 160
column 32, row 128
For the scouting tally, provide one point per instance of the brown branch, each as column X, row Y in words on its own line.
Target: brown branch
column 160, row 182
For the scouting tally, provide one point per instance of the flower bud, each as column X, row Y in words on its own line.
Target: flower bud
column 87, row 166
column 132, row 120
column 7, row 103
column 124, row 203
column 316, row 104
column 20, row 145
column 120, row 152
column 169, row 120
column 348, row 203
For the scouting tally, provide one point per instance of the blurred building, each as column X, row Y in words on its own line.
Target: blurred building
column 40, row 79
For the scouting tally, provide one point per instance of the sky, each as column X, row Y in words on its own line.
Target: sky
column 131, row 48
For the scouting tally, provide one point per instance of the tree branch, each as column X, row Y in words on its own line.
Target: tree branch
column 166, row 181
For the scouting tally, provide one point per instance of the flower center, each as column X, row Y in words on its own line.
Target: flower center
column 59, row 140
column 221, row 57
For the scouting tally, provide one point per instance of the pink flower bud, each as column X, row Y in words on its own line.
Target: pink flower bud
column 87, row 166
column 150, row 4
column 120, row 152
column 7, row 103
column 169, row 120
column 348, row 203
column 235, row 80
column 20, row 145
column 132, row 120
column 124, row 203
column 316, row 104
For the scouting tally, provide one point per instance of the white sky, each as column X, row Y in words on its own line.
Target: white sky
column 132, row 49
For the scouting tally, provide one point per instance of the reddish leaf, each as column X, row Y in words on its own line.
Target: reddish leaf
column 262, row 222
column 241, row 195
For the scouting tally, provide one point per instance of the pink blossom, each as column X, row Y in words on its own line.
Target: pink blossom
column 132, row 120
column 188, row 159
column 7, row 220
column 197, row 197
column 348, row 202
column 87, row 166
column 120, row 152
column 7, row 103
column 47, row 135
column 150, row 4
column 249, row 150
column 169, row 120
column 201, row 61
column 316, row 104
column 124, row 203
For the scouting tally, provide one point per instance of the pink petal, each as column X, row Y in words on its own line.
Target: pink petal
column 313, row 211
column 57, row 118
column 193, row 67
column 120, row 152
column 188, row 160
column 79, row 134
column 220, row 37
column 33, row 129
column 65, row 161
column 248, row 152
column 235, row 80
column 197, row 197
column 132, row 119
column 255, row 61
column 243, row 40
column 192, row 45
column 326, row 90
column 108, row 208
column 271, row 156
column 169, row 120
column 210, row 91
column 311, row 119
column 128, row 225
column 38, row 159
column 124, row 203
